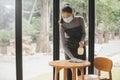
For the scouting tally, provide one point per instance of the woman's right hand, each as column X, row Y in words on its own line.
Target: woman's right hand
column 81, row 44
column 73, row 58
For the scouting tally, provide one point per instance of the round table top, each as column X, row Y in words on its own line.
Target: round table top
column 67, row 64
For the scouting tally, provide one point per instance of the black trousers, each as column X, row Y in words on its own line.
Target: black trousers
column 75, row 54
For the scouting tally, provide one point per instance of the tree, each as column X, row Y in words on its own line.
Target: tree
column 107, row 13
column 43, row 44
column 39, row 9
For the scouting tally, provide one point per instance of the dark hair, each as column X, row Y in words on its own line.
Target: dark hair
column 67, row 9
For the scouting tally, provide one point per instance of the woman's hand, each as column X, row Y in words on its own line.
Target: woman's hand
column 81, row 44
column 73, row 58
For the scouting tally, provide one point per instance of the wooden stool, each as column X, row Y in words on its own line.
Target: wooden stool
column 101, row 64
column 65, row 64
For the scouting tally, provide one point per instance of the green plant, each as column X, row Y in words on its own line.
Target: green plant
column 4, row 36
column 31, row 29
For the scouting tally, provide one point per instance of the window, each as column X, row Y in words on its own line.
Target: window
column 37, row 39
column 107, row 33
column 80, row 8
column 7, row 40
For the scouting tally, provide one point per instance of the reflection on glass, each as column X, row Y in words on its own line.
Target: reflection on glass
column 37, row 39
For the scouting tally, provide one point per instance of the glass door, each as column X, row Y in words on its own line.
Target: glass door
column 80, row 8
column 37, row 31
column 107, row 33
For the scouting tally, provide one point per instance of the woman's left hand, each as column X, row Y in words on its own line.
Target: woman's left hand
column 81, row 44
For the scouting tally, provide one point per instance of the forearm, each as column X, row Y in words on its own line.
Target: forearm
column 67, row 52
column 83, row 33
column 83, row 37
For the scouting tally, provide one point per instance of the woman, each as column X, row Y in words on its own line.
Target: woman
column 72, row 33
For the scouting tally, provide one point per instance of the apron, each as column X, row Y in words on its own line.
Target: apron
column 72, row 40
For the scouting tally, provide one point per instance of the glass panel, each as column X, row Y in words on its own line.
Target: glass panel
column 7, row 40
column 80, row 8
column 107, row 33
column 37, row 39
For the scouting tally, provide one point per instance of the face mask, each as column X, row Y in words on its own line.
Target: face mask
column 68, row 20
column 80, row 51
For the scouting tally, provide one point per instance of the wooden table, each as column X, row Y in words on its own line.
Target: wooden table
column 65, row 64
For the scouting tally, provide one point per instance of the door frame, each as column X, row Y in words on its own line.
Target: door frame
column 18, row 39
column 56, row 39
column 91, row 46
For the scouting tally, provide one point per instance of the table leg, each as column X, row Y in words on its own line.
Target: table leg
column 56, row 72
column 73, row 73
column 82, row 73
column 65, row 74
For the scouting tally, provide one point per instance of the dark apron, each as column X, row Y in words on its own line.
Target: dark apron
column 72, row 43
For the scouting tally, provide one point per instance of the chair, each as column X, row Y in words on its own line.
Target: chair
column 101, row 64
